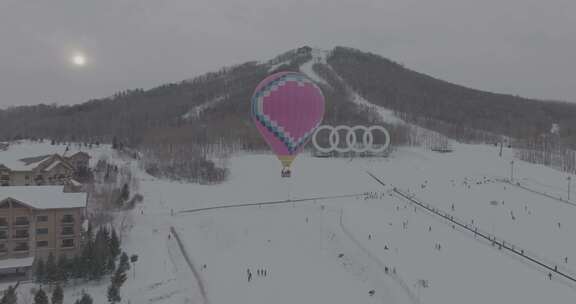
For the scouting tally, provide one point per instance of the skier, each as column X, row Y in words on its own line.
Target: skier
column 371, row 292
column 249, row 275
column 550, row 275
column 369, row 236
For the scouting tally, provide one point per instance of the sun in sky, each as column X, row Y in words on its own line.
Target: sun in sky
column 78, row 59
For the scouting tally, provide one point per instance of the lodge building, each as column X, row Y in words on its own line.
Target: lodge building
column 36, row 221
column 51, row 169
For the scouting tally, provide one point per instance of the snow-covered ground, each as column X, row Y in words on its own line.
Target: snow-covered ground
column 338, row 250
column 196, row 111
column 318, row 56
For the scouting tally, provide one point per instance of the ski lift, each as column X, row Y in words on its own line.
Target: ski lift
column 286, row 172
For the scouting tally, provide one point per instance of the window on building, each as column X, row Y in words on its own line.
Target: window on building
column 3, row 248
column 3, row 221
column 5, row 180
column 3, row 234
column 67, row 230
column 21, row 220
column 67, row 243
column 21, row 233
column 41, row 244
column 41, row 231
column 41, row 218
column 68, row 218
column 21, row 246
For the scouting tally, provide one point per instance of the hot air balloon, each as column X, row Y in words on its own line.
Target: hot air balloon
column 287, row 107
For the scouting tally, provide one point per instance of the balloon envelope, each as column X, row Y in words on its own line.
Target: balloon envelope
column 287, row 107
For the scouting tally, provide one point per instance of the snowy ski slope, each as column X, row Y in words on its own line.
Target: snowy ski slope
column 338, row 250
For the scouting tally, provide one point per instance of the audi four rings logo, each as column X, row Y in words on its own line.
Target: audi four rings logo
column 367, row 139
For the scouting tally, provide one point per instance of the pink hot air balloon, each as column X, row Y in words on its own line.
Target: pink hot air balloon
column 287, row 107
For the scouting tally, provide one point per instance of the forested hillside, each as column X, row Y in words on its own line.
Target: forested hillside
column 177, row 125
column 422, row 98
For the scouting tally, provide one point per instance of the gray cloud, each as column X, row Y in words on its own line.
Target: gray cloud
column 523, row 47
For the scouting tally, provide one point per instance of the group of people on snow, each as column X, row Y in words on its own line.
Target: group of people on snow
column 261, row 272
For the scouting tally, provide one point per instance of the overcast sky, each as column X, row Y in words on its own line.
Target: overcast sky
column 524, row 47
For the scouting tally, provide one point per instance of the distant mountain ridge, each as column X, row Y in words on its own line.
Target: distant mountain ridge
column 166, row 114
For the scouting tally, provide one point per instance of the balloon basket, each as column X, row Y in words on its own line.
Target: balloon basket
column 286, row 173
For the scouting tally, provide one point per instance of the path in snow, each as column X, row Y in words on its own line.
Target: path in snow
column 292, row 201
column 197, row 284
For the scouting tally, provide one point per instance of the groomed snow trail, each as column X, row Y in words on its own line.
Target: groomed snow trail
column 197, row 284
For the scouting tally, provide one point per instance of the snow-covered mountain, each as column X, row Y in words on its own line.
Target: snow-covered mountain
column 346, row 76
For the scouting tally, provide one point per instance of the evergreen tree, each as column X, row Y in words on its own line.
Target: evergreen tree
column 10, row 296
column 85, row 299
column 116, row 283
column 114, row 294
column 51, row 270
column 110, row 265
column 62, row 273
column 106, row 234
column 114, row 143
column 41, row 297
column 89, row 232
column 77, row 268
column 114, row 244
column 124, row 264
column 86, row 260
column 100, row 254
column 58, row 295
column 125, row 195
column 40, row 272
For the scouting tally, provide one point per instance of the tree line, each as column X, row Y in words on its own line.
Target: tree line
column 97, row 258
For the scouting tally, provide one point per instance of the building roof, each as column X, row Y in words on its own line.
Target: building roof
column 27, row 156
column 31, row 161
column 16, row 263
column 44, row 197
column 52, row 165
column 80, row 153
